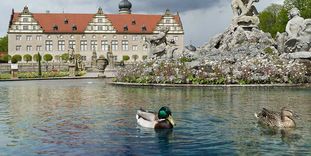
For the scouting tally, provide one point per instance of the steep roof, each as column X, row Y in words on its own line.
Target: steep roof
column 134, row 22
column 48, row 20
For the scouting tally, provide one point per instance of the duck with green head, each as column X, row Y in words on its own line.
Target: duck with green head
column 161, row 120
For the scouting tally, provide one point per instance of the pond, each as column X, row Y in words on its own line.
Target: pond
column 91, row 117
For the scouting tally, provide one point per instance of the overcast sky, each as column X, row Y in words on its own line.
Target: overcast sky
column 201, row 19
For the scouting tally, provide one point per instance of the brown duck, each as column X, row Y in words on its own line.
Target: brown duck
column 283, row 119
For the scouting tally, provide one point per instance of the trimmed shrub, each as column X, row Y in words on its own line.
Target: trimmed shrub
column 36, row 57
column 48, row 57
column 65, row 57
column 125, row 58
column 16, row 58
column 27, row 58
column 5, row 58
column 5, row 76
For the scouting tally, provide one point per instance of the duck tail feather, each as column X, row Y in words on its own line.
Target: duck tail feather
column 256, row 115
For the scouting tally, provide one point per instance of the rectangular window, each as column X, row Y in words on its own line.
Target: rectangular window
column 18, row 37
column 105, row 27
column 115, row 58
column 100, row 20
column 114, row 45
column 72, row 44
column 93, row 45
column 25, row 19
column 100, row 28
column 25, row 27
column 83, row 58
column 39, row 48
column 175, row 38
column 29, row 48
column 39, row 37
column 134, row 47
column 18, row 48
column 135, row 38
column 48, row 45
column 61, row 45
column 28, row 38
column 105, row 45
column 83, row 45
column 125, row 45
column 34, row 27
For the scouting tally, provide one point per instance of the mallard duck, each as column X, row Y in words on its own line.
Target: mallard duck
column 283, row 119
column 162, row 120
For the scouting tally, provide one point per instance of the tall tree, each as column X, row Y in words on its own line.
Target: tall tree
column 272, row 19
column 4, row 44
column 303, row 5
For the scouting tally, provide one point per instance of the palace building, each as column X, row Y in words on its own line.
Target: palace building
column 123, row 33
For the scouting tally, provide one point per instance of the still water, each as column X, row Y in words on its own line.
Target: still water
column 90, row 117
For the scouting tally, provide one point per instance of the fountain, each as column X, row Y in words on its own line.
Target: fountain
column 242, row 54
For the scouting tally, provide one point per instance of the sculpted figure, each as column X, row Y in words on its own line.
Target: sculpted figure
column 71, row 56
column 244, row 7
column 171, row 48
column 298, row 31
column 159, row 46
column 295, row 24
column 244, row 12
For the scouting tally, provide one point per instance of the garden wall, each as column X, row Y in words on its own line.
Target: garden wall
column 33, row 67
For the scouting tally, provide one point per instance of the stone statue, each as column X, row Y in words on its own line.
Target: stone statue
column 298, row 33
column 245, row 13
column 160, row 47
column 295, row 24
column 71, row 56
column 94, row 58
column 171, row 48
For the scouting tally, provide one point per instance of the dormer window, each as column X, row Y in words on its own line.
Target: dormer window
column 55, row 27
column 144, row 28
column 66, row 21
column 133, row 22
column 125, row 28
column 74, row 27
column 25, row 19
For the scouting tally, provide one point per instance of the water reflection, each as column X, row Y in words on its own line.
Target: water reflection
column 89, row 117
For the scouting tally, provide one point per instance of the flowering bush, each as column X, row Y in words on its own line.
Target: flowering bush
column 249, row 71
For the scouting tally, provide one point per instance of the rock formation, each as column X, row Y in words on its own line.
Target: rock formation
column 241, row 54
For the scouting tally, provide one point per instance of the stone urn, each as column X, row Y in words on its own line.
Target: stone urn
column 102, row 63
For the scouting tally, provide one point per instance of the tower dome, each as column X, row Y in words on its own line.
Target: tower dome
column 125, row 7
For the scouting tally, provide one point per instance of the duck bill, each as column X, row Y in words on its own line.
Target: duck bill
column 171, row 120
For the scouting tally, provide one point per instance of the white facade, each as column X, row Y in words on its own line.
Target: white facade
column 26, row 35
